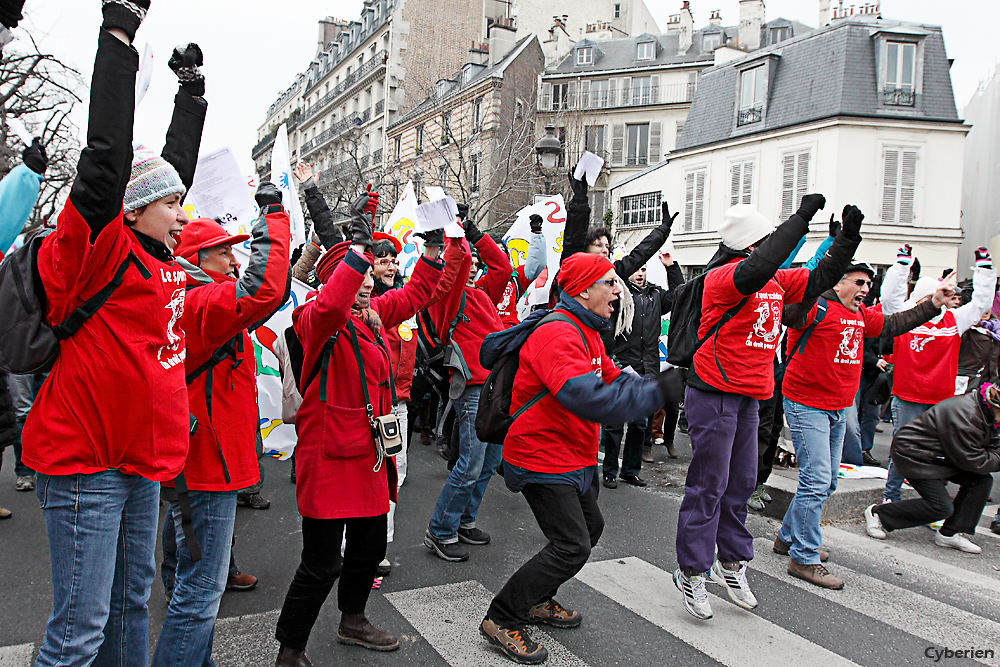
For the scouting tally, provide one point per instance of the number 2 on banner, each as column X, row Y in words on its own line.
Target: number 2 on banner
column 556, row 215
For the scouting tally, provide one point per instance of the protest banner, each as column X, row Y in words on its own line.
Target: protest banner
column 219, row 191
column 553, row 212
column 281, row 176
column 401, row 225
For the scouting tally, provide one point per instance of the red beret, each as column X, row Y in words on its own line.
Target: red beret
column 203, row 233
column 581, row 270
column 334, row 256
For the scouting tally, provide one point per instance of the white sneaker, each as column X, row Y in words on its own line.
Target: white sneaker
column 658, row 441
column 873, row 524
column 694, row 592
column 736, row 584
column 957, row 541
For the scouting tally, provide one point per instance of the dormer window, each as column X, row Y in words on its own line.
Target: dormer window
column 711, row 41
column 778, row 34
column 753, row 84
column 646, row 51
column 900, row 75
column 585, row 55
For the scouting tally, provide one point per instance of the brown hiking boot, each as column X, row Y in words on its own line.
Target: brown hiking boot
column 781, row 547
column 5, row 513
column 515, row 644
column 647, row 453
column 671, row 450
column 290, row 657
column 815, row 574
column 355, row 630
column 552, row 613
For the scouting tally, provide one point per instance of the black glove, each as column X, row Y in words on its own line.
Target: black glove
column 433, row 238
column 810, row 204
column 579, row 188
column 125, row 16
column 34, row 157
column 667, row 220
column 471, row 231
column 361, row 230
column 186, row 62
column 671, row 383
column 463, row 211
column 10, row 13
column 268, row 196
column 852, row 222
column 834, row 227
column 535, row 221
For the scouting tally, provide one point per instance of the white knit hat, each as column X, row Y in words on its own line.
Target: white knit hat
column 152, row 177
column 743, row 225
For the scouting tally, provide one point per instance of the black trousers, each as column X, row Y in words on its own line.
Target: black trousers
column 639, row 433
column 772, row 420
column 961, row 515
column 320, row 566
column 572, row 524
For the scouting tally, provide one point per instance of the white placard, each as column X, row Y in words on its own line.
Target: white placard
column 220, row 191
column 18, row 128
column 145, row 74
column 589, row 165
column 453, row 229
column 281, row 176
column 436, row 214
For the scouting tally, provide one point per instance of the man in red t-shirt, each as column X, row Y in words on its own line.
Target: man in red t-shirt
column 822, row 374
column 550, row 453
column 521, row 277
column 732, row 370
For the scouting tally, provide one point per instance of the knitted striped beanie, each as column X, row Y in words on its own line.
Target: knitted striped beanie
column 152, row 178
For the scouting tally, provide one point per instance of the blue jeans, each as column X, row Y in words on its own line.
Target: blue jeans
column 458, row 503
column 168, row 567
column 902, row 413
column 862, row 419
column 102, row 531
column 186, row 637
column 818, row 436
column 23, row 390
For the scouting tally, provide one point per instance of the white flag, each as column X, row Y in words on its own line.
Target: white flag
column 401, row 225
column 281, row 176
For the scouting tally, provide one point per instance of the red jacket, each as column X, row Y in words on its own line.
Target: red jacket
column 480, row 317
column 335, row 453
column 511, row 293
column 926, row 361
column 116, row 397
column 225, row 441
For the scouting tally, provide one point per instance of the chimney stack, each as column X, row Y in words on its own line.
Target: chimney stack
column 686, row 29
column 824, row 13
column 715, row 18
column 751, row 23
column 502, row 37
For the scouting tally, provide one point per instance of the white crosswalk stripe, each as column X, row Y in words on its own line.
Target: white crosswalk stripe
column 448, row 617
column 916, row 614
column 749, row 640
column 16, row 656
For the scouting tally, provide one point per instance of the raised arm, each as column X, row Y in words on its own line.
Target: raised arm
column 188, row 121
column 329, row 312
column 535, row 261
column 984, row 285
column 647, row 247
column 756, row 270
column 893, row 294
column 454, row 253
column 323, row 225
column 577, row 219
column 18, row 194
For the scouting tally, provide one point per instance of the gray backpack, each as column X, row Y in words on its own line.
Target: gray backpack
column 28, row 344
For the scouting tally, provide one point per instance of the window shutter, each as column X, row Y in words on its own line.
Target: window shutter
column 689, row 184
column 735, row 181
column 585, row 102
column 654, row 142
column 626, row 91
column 611, row 94
column 598, row 209
column 787, row 186
column 907, row 186
column 801, row 177
column 890, row 183
column 618, row 145
column 571, row 98
column 699, row 200
column 747, row 182
column 545, row 99
column 654, row 96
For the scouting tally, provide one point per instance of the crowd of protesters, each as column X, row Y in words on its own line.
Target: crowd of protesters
column 370, row 354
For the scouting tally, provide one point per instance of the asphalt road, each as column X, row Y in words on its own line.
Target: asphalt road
column 904, row 597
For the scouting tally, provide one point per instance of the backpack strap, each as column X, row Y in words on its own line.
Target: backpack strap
column 800, row 344
column 714, row 331
column 229, row 349
column 321, row 367
column 554, row 316
column 72, row 324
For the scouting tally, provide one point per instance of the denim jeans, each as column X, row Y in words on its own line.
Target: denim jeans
column 862, row 419
column 902, row 413
column 102, row 531
column 168, row 566
column 458, row 503
column 186, row 637
column 23, row 390
column 818, row 436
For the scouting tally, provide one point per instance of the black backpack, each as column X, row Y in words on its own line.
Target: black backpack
column 500, row 353
column 28, row 344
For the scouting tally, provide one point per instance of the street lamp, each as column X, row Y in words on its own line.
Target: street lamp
column 547, row 152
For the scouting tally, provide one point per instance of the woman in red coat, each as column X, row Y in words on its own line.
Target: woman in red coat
column 344, row 484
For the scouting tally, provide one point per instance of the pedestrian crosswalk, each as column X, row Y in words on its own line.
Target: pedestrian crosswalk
column 446, row 617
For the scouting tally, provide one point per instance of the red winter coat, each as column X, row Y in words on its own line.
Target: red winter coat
column 335, row 453
column 217, row 309
column 116, row 397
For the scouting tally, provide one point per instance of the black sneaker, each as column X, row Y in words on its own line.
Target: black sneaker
column 610, row 482
column 634, row 480
column 473, row 536
column 869, row 460
column 995, row 526
column 453, row 552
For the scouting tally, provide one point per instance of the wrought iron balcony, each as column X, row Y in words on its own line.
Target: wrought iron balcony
column 750, row 115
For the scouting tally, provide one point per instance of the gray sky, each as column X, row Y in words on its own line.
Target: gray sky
column 253, row 49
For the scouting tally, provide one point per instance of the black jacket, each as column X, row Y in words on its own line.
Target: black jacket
column 978, row 357
column 955, row 435
column 8, row 418
column 640, row 347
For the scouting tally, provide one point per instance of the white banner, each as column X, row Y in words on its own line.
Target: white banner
column 553, row 212
column 401, row 225
column 220, row 191
column 281, row 176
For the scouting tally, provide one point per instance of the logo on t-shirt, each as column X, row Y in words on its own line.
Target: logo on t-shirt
column 850, row 343
column 768, row 324
column 168, row 355
column 917, row 343
column 508, row 295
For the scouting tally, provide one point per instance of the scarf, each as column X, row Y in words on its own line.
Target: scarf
column 627, row 312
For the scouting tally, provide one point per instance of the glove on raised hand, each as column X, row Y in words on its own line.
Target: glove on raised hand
column 667, row 219
column 810, row 204
column 535, row 221
column 904, row 255
column 852, row 216
column 983, row 259
column 360, row 229
column 125, row 15
column 834, row 226
column 579, row 189
column 433, row 239
column 472, row 232
column 34, row 157
column 268, row 198
column 186, row 62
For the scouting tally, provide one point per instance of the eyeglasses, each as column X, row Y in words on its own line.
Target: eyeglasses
column 386, row 261
column 610, row 283
column 860, row 282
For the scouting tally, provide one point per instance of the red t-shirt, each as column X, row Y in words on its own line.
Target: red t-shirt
column 507, row 308
column 826, row 372
column 548, row 437
column 926, row 361
column 745, row 345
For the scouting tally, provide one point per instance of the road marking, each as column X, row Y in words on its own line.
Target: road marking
column 734, row 637
column 882, row 549
column 939, row 623
column 18, row 655
column 448, row 617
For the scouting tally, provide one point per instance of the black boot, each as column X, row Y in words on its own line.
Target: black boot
column 290, row 657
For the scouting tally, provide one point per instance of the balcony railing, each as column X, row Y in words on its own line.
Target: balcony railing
column 635, row 96
column 262, row 145
column 373, row 63
column 378, row 107
column 898, row 97
column 347, row 165
column 352, row 120
column 750, row 115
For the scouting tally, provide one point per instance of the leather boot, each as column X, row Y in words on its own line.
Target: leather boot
column 356, row 630
column 290, row 657
column 647, row 453
column 671, row 450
